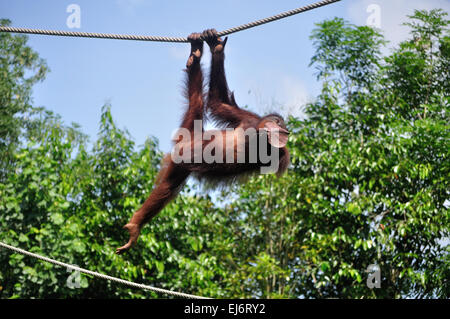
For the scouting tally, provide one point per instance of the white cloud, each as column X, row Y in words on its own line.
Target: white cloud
column 287, row 95
column 393, row 13
column 295, row 95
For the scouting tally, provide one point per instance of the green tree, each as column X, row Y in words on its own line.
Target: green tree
column 70, row 204
column 20, row 69
column 369, row 182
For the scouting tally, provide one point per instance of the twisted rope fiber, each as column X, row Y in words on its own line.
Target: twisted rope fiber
column 165, row 39
column 96, row 274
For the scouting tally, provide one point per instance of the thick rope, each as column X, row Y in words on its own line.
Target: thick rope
column 277, row 17
column 96, row 274
column 165, row 39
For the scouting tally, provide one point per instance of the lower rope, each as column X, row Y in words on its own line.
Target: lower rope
column 96, row 274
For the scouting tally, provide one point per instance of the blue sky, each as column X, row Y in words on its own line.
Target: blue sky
column 266, row 66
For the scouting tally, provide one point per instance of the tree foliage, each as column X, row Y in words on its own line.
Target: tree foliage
column 20, row 68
